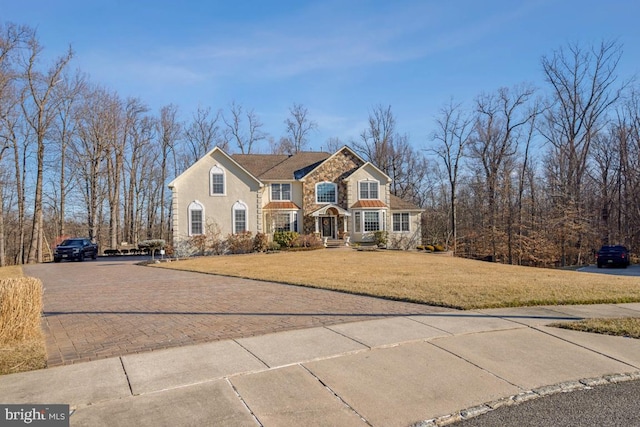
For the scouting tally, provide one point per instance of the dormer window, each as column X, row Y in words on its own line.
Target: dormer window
column 280, row 192
column 368, row 190
column 326, row 192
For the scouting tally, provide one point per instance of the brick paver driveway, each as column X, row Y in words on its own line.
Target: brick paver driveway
column 112, row 307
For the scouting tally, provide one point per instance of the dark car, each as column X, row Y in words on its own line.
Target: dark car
column 614, row 255
column 77, row 248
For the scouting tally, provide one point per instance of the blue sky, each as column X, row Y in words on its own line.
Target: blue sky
column 337, row 58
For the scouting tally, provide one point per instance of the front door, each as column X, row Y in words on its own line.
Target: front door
column 328, row 227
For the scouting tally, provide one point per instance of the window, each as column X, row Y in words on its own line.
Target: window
column 368, row 189
column 280, row 191
column 196, row 218
column 285, row 221
column 357, row 225
column 216, row 178
column 401, row 221
column 371, row 221
column 239, row 218
column 326, row 192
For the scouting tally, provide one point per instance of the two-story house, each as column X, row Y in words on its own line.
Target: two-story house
column 333, row 195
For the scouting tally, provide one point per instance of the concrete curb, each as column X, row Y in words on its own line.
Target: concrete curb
column 564, row 387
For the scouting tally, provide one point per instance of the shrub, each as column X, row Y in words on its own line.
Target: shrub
column 307, row 241
column 429, row 248
column 241, row 243
column 199, row 243
column 273, row 246
column 285, row 238
column 260, row 242
column 169, row 251
column 151, row 245
column 380, row 238
column 438, row 248
column 420, row 247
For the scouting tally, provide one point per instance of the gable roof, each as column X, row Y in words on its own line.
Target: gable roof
column 204, row 158
column 330, row 156
column 273, row 167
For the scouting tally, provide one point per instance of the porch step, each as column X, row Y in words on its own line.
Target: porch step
column 335, row 243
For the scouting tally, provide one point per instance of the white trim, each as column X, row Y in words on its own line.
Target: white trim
column 195, row 206
column 239, row 206
column 382, row 220
column 208, row 157
column 323, row 211
column 368, row 181
column 293, row 215
column 217, row 170
column 335, row 192
column 401, row 221
column 344, row 147
column 280, row 184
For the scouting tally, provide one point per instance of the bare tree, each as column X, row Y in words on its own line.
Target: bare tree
column 169, row 132
column 333, row 144
column 68, row 92
column 38, row 104
column 13, row 38
column 240, row 133
column 299, row 126
column 499, row 119
column 583, row 90
column 96, row 131
column 376, row 139
column 453, row 134
column 201, row 134
column 139, row 130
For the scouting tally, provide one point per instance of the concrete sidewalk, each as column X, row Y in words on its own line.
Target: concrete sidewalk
column 388, row 372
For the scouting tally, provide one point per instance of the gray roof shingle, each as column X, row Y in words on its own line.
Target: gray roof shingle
column 272, row 167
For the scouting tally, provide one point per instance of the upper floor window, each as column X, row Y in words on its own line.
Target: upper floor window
column 368, row 189
column 196, row 218
column 280, row 191
column 239, row 217
column 326, row 192
column 216, row 181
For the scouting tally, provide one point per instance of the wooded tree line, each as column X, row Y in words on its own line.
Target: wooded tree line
column 535, row 176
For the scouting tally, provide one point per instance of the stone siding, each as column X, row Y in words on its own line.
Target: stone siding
column 335, row 169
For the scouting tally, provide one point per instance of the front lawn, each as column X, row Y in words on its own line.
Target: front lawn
column 425, row 278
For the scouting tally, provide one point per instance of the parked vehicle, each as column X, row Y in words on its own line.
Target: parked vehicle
column 77, row 248
column 615, row 255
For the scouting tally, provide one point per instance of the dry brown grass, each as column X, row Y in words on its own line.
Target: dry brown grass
column 425, row 278
column 624, row 327
column 11, row 272
column 21, row 342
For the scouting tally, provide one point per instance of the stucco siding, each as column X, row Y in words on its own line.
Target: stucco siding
column 194, row 186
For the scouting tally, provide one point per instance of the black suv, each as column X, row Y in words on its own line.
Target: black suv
column 77, row 248
column 613, row 255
